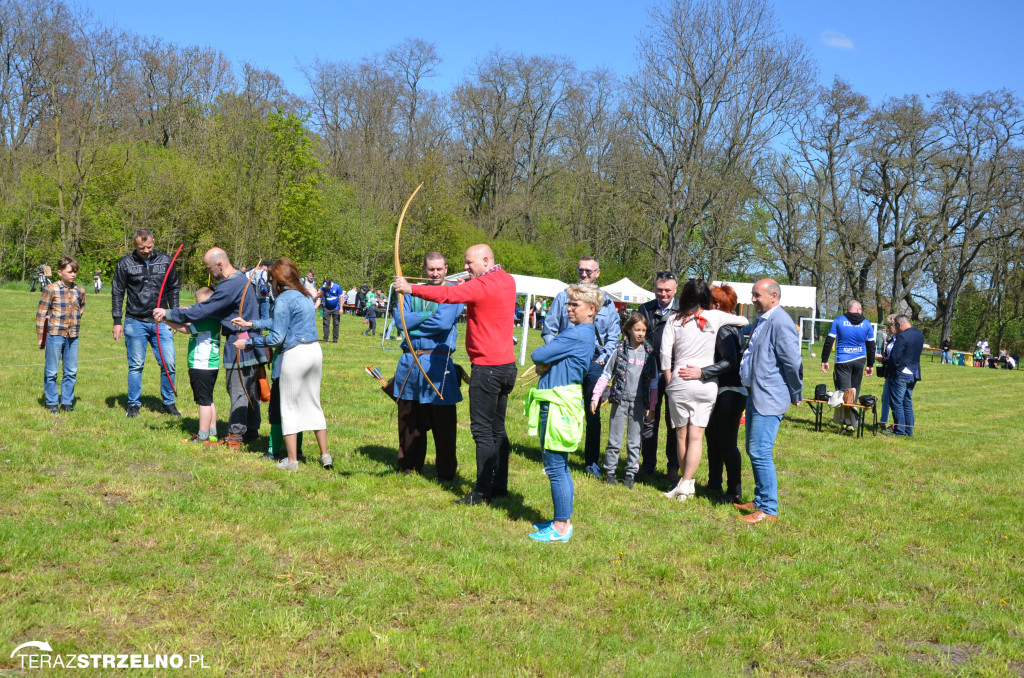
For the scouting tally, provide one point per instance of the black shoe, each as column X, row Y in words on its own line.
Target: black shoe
column 498, row 495
column 471, row 499
column 132, row 411
column 171, row 410
column 68, row 408
column 609, row 479
column 52, row 409
column 628, row 482
column 642, row 475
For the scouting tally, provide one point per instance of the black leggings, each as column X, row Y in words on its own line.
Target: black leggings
column 721, row 433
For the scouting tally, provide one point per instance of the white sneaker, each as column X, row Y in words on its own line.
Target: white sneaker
column 327, row 461
column 286, row 465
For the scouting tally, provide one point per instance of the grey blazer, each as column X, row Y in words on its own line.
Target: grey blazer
column 776, row 370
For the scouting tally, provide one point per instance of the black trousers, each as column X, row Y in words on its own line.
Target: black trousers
column 721, row 433
column 414, row 420
column 327, row 323
column 649, row 435
column 849, row 375
column 593, row 446
column 489, row 386
column 244, row 419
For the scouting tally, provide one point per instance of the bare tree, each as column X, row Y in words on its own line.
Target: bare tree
column 976, row 188
column 716, row 84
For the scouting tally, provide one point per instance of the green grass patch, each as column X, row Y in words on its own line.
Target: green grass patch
column 891, row 557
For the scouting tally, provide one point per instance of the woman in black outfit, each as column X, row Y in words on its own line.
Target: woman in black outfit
column 723, row 427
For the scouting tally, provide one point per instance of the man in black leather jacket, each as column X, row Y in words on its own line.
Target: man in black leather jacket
column 138, row 276
column 657, row 313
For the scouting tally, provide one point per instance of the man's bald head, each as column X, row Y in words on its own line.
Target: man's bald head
column 854, row 307
column 216, row 255
column 479, row 258
column 217, row 263
column 766, row 295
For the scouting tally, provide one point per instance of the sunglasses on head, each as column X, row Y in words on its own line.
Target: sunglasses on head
column 666, row 275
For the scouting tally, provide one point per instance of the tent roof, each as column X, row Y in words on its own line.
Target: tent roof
column 545, row 287
column 628, row 291
column 793, row 296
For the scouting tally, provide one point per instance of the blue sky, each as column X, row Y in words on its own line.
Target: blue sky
column 883, row 48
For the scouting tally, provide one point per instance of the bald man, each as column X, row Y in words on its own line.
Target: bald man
column 138, row 276
column 772, row 371
column 854, row 339
column 240, row 367
column 490, row 299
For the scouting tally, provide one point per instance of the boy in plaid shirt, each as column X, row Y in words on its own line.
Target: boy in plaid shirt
column 58, row 320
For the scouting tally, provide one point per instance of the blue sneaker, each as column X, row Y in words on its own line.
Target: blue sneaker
column 540, row 527
column 550, row 535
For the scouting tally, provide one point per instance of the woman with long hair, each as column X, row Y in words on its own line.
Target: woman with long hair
column 298, row 363
column 689, row 342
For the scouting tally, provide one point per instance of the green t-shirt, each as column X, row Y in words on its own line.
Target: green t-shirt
column 204, row 345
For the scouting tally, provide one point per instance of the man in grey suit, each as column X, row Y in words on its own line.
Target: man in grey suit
column 772, row 371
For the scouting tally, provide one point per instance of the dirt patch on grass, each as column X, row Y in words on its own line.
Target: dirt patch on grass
column 114, row 499
column 931, row 652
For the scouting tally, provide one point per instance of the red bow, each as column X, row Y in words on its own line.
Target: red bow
column 701, row 320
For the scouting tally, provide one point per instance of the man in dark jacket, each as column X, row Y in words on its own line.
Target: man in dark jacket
column 903, row 371
column 240, row 367
column 657, row 313
column 138, row 277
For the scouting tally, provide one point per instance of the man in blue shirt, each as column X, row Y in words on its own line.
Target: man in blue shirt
column 854, row 340
column 606, row 325
column 903, row 371
column 433, row 331
column 330, row 294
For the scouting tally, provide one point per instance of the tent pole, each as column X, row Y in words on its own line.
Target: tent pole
column 526, row 328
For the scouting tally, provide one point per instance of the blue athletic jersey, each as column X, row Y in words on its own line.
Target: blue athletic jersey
column 851, row 340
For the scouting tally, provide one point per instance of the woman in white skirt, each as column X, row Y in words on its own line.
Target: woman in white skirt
column 689, row 341
column 298, row 362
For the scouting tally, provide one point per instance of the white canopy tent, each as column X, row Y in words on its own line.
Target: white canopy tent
column 532, row 286
column 627, row 291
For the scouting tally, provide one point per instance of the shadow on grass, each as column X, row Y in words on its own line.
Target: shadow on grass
column 535, row 455
column 148, row 402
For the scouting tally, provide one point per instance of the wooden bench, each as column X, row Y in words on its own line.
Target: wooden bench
column 818, row 407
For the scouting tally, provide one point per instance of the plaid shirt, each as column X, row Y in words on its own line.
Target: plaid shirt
column 63, row 306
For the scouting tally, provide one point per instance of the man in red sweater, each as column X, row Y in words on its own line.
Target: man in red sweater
column 490, row 299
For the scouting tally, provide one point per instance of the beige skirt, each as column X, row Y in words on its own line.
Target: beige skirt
column 690, row 401
column 301, row 367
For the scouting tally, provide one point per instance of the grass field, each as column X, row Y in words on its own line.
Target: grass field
column 891, row 557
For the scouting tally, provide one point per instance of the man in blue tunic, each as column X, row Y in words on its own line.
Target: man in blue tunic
column 854, row 339
column 432, row 329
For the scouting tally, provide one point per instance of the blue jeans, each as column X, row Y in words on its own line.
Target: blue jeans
column 761, row 432
column 947, row 357
column 556, row 465
column 136, row 335
column 60, row 349
column 885, row 402
column 901, row 402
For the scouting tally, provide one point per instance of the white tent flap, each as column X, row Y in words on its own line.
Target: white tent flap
column 627, row 291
